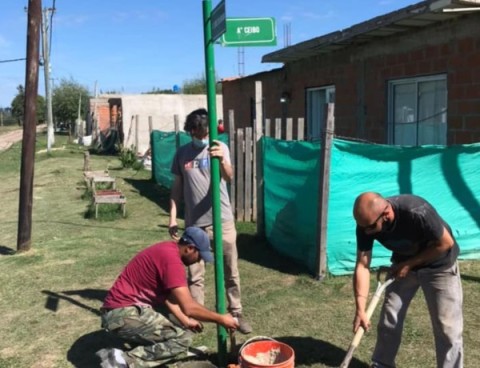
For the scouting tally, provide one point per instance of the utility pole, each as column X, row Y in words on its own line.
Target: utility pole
column 46, row 69
column 24, row 235
column 78, row 132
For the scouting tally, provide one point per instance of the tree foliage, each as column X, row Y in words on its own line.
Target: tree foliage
column 18, row 106
column 159, row 91
column 198, row 86
column 65, row 101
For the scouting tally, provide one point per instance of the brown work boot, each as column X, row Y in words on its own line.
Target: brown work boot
column 243, row 326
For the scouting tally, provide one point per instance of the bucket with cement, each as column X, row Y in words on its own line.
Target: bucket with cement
column 262, row 352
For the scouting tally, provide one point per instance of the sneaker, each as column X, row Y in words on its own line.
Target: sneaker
column 243, row 326
column 111, row 358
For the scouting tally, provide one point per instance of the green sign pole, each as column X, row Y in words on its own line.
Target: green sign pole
column 215, row 179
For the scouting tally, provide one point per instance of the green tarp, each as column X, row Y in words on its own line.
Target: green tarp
column 448, row 177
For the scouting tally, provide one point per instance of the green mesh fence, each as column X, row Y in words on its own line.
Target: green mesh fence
column 164, row 146
column 448, row 177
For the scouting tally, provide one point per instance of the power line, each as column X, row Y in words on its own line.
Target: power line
column 12, row 60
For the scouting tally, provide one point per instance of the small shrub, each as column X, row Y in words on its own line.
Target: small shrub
column 128, row 156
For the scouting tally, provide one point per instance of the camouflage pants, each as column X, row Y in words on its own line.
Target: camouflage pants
column 158, row 339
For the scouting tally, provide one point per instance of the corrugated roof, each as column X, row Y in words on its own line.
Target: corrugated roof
column 419, row 15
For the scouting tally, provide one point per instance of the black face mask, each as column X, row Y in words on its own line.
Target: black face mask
column 387, row 226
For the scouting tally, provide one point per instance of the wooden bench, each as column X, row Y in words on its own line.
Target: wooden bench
column 96, row 179
column 109, row 196
column 89, row 175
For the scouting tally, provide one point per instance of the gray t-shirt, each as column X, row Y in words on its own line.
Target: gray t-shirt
column 193, row 165
column 416, row 224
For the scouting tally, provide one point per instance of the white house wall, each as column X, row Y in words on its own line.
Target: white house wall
column 161, row 109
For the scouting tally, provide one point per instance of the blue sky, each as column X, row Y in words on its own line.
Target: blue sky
column 135, row 46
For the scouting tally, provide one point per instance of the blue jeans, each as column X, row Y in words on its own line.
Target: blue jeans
column 444, row 297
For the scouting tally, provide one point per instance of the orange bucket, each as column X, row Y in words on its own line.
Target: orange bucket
column 266, row 353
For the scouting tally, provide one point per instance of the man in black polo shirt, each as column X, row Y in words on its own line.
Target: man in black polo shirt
column 424, row 255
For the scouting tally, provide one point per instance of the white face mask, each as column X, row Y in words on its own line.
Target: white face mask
column 200, row 143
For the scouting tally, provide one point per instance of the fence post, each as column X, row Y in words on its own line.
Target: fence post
column 258, row 205
column 231, row 144
column 176, row 123
column 249, row 203
column 324, row 187
column 300, row 129
column 240, row 174
column 288, row 130
column 267, row 128
column 278, row 128
column 150, row 125
column 137, row 123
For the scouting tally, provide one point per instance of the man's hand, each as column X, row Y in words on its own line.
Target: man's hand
column 173, row 231
column 216, row 150
column 194, row 325
column 361, row 320
column 229, row 322
column 400, row 270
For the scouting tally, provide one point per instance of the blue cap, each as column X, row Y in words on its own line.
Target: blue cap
column 198, row 238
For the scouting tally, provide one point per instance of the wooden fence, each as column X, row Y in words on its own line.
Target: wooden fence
column 247, row 185
column 242, row 151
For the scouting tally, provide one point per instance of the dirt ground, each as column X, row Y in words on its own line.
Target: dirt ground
column 7, row 139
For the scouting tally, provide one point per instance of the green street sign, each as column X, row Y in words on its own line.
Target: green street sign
column 249, row 32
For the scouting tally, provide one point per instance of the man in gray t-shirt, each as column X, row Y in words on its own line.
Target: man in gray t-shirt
column 424, row 255
column 191, row 167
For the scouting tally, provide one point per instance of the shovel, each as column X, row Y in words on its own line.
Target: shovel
column 381, row 286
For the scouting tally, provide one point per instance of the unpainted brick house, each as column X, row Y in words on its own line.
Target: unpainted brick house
column 410, row 77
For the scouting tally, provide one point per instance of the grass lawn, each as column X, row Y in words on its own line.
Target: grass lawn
column 50, row 295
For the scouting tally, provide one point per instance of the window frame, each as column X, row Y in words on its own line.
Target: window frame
column 391, row 98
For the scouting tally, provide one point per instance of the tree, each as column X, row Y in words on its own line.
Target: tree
column 65, row 100
column 18, row 106
column 158, row 91
column 198, row 86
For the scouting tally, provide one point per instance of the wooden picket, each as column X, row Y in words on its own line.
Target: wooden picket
column 242, row 143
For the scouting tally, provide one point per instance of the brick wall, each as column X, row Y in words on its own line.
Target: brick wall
column 361, row 74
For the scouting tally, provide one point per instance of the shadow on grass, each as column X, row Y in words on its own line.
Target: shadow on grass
column 256, row 250
column 82, row 353
column 91, row 294
column 6, row 251
column 149, row 189
column 470, row 278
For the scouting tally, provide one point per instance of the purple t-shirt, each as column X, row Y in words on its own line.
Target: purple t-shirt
column 148, row 278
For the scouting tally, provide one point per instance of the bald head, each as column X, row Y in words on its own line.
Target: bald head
column 367, row 207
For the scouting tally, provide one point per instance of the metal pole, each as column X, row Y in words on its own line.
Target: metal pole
column 24, row 235
column 215, row 179
column 46, row 69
